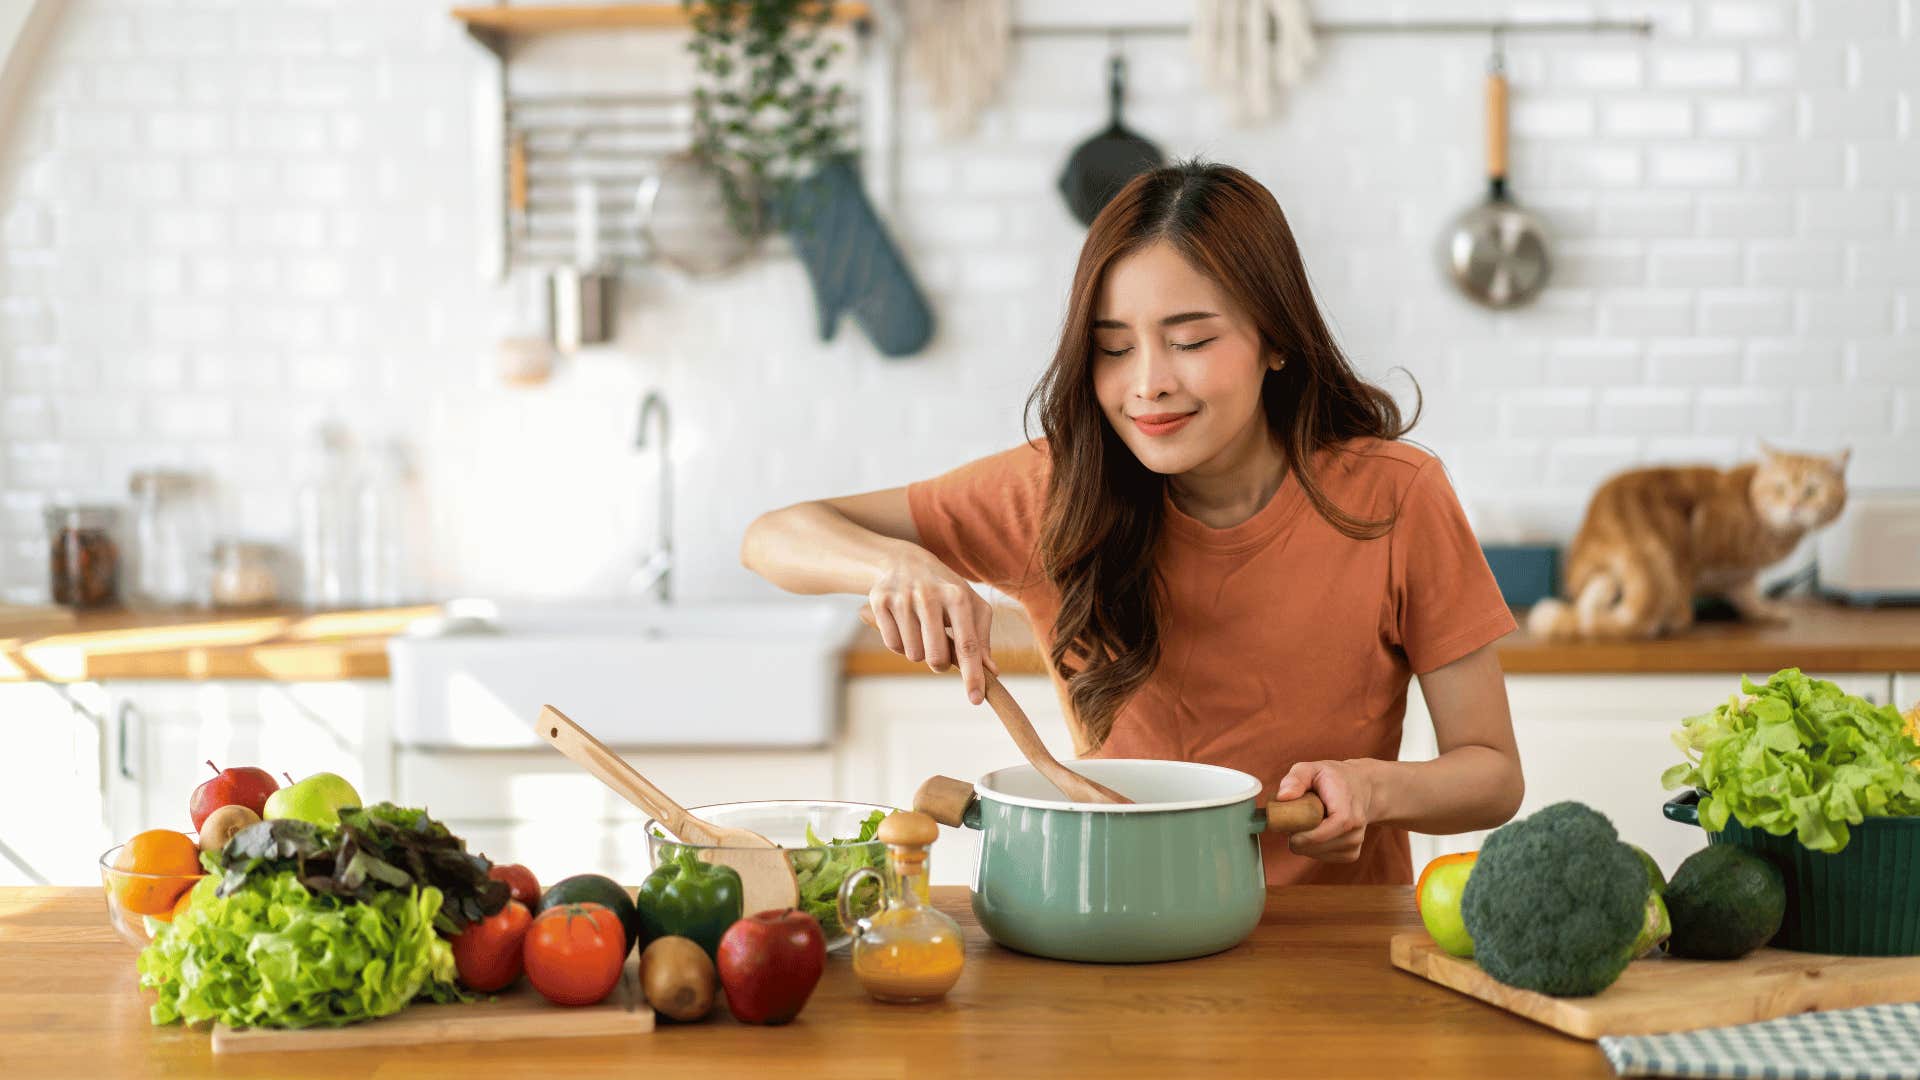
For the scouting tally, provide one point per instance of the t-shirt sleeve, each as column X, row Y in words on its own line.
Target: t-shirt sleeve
column 983, row 519
column 1446, row 603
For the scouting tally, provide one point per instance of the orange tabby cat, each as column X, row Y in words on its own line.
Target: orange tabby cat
column 1655, row 538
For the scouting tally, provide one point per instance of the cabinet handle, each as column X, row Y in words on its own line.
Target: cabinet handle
column 120, row 724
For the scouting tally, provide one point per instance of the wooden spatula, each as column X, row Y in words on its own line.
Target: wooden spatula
column 1071, row 784
column 766, row 877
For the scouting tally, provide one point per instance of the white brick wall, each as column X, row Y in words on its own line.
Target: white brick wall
column 220, row 222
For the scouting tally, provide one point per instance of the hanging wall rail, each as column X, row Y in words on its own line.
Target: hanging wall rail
column 535, row 149
column 1502, row 27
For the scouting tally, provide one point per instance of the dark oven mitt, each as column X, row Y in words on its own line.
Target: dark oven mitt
column 853, row 263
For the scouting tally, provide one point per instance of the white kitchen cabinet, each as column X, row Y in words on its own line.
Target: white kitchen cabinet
column 1906, row 690
column 538, row 808
column 53, row 814
column 1603, row 740
column 902, row 729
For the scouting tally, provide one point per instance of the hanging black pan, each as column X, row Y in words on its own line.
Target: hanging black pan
column 1102, row 165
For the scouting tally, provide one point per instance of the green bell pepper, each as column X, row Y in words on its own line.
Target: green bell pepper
column 690, row 898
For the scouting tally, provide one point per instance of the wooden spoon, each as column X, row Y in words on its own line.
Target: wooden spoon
column 1071, row 784
column 766, row 876
column 1074, row 786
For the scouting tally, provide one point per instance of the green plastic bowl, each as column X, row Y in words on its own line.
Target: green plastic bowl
column 1863, row 901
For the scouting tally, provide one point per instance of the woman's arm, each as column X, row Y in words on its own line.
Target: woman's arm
column 868, row 545
column 1474, row 783
column 832, row 545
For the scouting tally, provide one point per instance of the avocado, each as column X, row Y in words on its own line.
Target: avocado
column 596, row 889
column 1725, row 902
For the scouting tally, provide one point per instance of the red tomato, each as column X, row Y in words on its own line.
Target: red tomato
column 520, row 882
column 488, row 952
column 574, row 953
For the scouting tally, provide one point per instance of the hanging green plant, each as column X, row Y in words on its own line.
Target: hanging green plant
column 767, row 111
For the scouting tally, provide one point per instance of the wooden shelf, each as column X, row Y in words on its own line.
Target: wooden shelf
column 550, row 18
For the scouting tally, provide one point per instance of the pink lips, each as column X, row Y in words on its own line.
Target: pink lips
column 1158, row 424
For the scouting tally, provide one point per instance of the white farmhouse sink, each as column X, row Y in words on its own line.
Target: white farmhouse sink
column 746, row 674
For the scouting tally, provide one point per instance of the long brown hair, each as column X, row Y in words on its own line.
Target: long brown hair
column 1104, row 508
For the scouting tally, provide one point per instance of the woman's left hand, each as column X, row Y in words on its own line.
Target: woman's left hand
column 1346, row 788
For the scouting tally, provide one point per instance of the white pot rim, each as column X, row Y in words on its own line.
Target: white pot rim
column 1114, row 772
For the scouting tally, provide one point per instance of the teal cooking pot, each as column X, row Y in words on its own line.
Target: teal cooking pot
column 1172, row 875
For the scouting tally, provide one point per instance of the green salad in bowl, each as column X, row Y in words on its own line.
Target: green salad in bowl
column 825, row 842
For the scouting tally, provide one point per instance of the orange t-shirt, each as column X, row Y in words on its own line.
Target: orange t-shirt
column 1282, row 640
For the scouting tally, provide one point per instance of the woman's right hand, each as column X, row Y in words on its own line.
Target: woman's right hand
column 926, row 612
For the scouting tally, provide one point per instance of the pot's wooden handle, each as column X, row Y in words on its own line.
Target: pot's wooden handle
column 1496, row 125
column 1295, row 815
column 944, row 799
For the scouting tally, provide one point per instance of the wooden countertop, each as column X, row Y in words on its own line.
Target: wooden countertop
column 302, row 646
column 1821, row 637
column 1311, row 993
column 284, row 645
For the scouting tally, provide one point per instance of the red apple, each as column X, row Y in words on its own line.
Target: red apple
column 769, row 964
column 246, row 786
column 521, row 884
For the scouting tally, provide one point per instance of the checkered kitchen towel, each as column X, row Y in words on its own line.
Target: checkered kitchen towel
column 1880, row 1042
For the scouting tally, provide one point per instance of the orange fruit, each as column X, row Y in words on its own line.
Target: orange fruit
column 163, row 852
column 180, row 905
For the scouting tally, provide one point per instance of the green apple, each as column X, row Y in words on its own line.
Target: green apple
column 1442, row 884
column 318, row 799
column 1654, row 877
column 1655, row 928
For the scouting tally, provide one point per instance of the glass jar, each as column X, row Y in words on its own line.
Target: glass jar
column 908, row 951
column 323, row 511
column 83, row 555
column 244, row 575
column 168, row 562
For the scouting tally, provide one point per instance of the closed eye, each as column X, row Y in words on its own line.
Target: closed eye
column 1183, row 347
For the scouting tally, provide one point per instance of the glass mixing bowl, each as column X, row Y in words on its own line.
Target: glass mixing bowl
column 138, row 903
column 818, row 870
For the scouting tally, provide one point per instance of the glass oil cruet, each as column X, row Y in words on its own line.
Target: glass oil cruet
column 907, row 951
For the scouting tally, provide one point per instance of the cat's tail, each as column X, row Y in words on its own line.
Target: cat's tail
column 1615, row 601
column 1553, row 620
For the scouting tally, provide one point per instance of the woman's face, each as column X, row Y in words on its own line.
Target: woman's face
column 1176, row 367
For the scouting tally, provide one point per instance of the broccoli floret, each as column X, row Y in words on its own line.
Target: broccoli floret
column 1556, row 901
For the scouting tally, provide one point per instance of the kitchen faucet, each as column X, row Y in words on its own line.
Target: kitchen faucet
column 655, row 573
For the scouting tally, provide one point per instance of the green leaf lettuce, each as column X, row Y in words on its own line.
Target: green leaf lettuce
column 274, row 954
column 1799, row 756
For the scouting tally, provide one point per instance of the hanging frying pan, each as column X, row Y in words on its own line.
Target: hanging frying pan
column 1102, row 165
column 1496, row 252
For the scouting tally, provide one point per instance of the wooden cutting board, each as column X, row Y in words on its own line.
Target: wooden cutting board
column 520, row 1013
column 1663, row 994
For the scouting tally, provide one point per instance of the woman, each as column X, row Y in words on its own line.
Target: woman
column 1226, row 554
